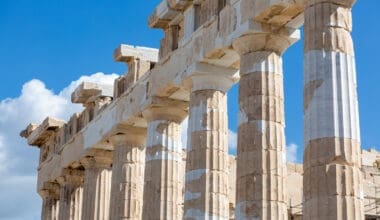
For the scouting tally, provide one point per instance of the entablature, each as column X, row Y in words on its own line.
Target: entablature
column 139, row 60
column 180, row 20
column 88, row 92
column 39, row 135
column 162, row 15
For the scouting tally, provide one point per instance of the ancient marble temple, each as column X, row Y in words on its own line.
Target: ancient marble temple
column 122, row 157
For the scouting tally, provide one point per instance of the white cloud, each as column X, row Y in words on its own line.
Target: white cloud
column 3, row 156
column 18, row 162
column 232, row 141
column 291, row 153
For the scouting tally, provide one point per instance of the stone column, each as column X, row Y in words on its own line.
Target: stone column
column 206, row 195
column 164, row 178
column 97, row 185
column 70, row 181
column 50, row 197
column 128, row 175
column 333, row 187
column 77, row 203
column 261, row 155
column 55, row 213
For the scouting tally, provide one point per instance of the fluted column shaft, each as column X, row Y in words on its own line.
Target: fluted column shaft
column 55, row 211
column 77, row 203
column 261, row 159
column 65, row 201
column 48, row 208
column 333, row 187
column 128, row 175
column 69, row 182
column 164, row 177
column 207, row 158
column 261, row 156
column 50, row 196
column 97, row 186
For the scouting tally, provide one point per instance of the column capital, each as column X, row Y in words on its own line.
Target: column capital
column 204, row 76
column 261, row 61
column 135, row 135
column 50, row 190
column 343, row 3
column 97, row 159
column 277, row 41
column 212, row 82
column 71, row 176
column 166, row 109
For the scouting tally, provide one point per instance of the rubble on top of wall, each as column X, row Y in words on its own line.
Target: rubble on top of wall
column 179, row 4
column 370, row 158
column 127, row 53
column 88, row 92
column 140, row 60
column 162, row 15
column 44, row 136
column 38, row 135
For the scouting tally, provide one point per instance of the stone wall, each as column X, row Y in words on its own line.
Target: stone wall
column 371, row 175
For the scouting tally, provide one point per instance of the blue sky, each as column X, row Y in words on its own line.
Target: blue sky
column 58, row 41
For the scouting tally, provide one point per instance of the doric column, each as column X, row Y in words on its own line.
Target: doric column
column 48, row 207
column 70, row 181
column 50, row 196
column 206, row 195
column 55, row 212
column 128, row 175
column 77, row 203
column 97, row 185
column 164, row 177
column 333, row 187
column 261, row 155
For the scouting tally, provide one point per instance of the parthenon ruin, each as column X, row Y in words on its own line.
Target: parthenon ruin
column 122, row 157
